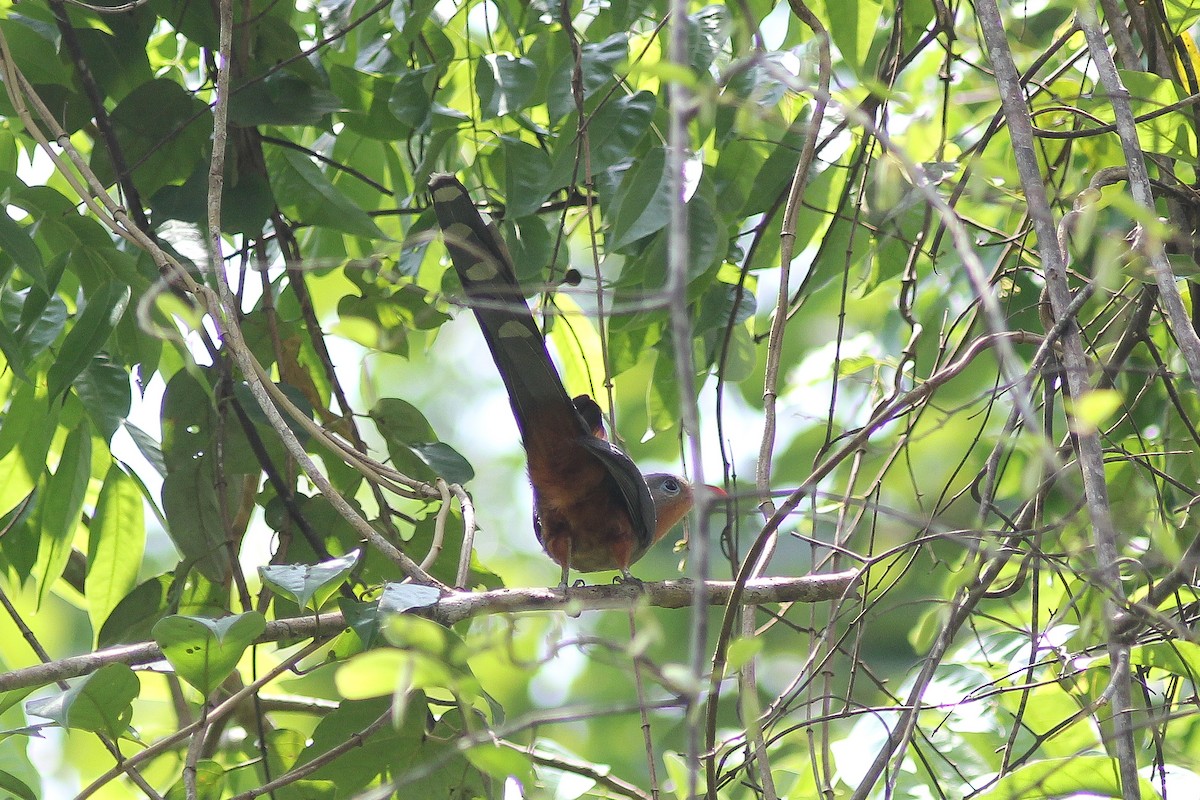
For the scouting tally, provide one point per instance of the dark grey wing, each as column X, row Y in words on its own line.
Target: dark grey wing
column 632, row 485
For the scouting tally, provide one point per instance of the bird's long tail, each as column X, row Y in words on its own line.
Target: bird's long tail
column 543, row 410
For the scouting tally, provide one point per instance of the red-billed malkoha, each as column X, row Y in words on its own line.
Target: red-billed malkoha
column 593, row 508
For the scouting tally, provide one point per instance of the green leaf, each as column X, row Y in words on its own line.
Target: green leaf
column 210, row 783
column 613, row 134
column 391, row 748
column 187, row 420
column 117, row 56
column 310, row 585
column 413, row 444
column 1063, row 777
column 241, row 391
column 531, row 246
column 706, row 244
column 40, row 327
column 1170, row 134
column 375, row 673
column 25, row 434
column 15, row 786
column 1094, row 408
column 602, row 59
column 362, row 618
column 409, row 15
column 365, row 618
column 282, row 99
column 11, row 698
column 116, row 542
column 16, row 243
column 309, row 197
column 1181, row 15
column 642, row 203
column 283, row 748
column 742, row 651
column 135, row 614
column 164, row 132
column 1177, row 657
column 61, row 505
column 400, row 420
column 33, row 51
column 247, row 204
column 11, row 343
column 88, row 335
column 400, row 597
column 852, row 26
column 501, row 762
column 148, row 446
column 600, row 63
column 101, row 702
column 444, row 460
column 189, row 497
column 101, row 263
column 103, row 386
column 579, row 348
column 708, row 34
column 525, row 170
column 205, row 651
column 504, row 84
column 411, row 99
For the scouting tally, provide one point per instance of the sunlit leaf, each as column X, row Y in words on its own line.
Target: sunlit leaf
column 116, row 540
column 310, row 585
column 100, row 702
column 205, row 651
column 61, row 505
column 15, row 786
column 501, row 762
column 1094, row 775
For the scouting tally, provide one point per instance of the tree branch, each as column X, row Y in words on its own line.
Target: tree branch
column 458, row 606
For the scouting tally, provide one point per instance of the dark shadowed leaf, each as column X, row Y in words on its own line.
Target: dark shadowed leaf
column 134, row 616
column 103, row 386
column 88, row 335
column 504, row 83
column 641, row 205
column 308, row 196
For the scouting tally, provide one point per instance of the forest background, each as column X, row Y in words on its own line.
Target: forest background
column 910, row 278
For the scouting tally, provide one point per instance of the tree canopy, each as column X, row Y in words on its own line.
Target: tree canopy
column 911, row 279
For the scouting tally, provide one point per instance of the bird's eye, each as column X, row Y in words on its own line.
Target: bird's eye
column 670, row 485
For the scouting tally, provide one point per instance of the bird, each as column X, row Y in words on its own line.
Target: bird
column 593, row 508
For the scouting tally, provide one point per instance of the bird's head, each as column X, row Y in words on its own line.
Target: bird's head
column 673, row 499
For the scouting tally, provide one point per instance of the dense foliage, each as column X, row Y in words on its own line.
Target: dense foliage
column 930, row 293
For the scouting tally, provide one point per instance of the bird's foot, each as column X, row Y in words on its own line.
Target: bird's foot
column 565, row 584
column 626, row 578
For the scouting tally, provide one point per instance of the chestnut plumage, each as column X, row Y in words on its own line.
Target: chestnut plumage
column 593, row 508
